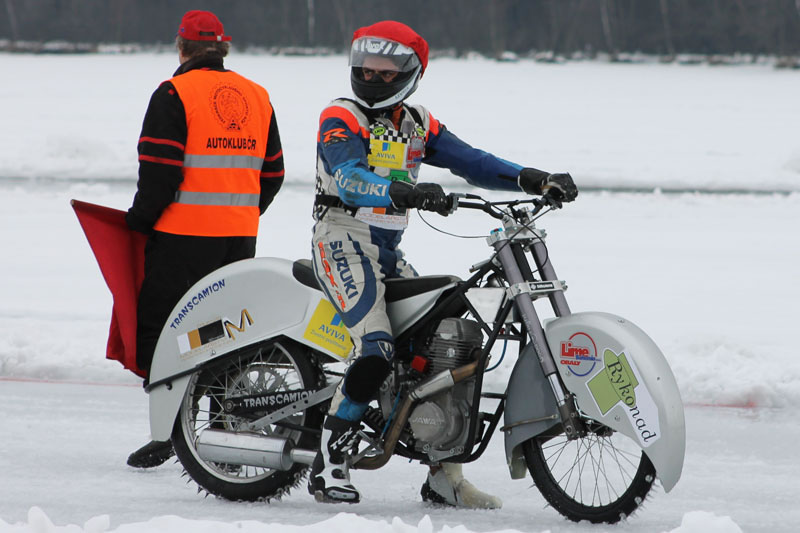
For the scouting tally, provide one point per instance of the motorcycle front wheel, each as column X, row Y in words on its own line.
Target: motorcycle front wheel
column 273, row 366
column 602, row 477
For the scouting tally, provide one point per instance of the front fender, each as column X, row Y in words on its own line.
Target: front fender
column 620, row 378
column 530, row 408
column 236, row 306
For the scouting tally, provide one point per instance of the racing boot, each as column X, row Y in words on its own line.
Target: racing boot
column 329, row 481
column 152, row 454
column 446, row 486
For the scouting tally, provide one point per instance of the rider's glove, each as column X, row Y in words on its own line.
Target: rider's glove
column 560, row 187
column 425, row 196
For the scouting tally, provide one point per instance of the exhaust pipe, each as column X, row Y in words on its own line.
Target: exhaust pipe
column 251, row 450
column 441, row 381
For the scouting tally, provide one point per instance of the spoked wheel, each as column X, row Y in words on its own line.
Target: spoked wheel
column 272, row 367
column 602, row 477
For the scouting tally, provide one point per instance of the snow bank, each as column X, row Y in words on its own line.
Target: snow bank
column 38, row 522
column 641, row 126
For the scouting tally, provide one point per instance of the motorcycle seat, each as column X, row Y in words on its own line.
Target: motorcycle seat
column 396, row 288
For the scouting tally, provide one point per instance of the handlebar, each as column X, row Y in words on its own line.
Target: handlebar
column 462, row 200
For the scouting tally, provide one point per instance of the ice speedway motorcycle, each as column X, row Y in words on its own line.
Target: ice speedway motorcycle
column 245, row 368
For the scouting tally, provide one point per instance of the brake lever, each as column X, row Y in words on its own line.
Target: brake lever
column 545, row 201
column 457, row 200
column 453, row 201
column 552, row 202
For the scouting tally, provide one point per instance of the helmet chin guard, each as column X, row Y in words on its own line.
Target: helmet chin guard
column 383, row 71
column 378, row 94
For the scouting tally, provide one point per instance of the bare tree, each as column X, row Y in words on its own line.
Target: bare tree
column 310, row 22
column 12, row 21
column 668, row 29
column 605, row 17
column 497, row 26
column 556, row 26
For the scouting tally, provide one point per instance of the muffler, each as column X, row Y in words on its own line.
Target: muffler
column 251, row 450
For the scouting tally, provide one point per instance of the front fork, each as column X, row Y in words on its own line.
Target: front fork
column 524, row 291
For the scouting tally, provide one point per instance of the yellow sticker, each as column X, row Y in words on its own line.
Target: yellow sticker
column 327, row 329
column 387, row 154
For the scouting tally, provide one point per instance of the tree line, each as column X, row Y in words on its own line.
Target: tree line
column 490, row 27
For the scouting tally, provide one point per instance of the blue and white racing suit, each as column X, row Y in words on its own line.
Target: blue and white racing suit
column 358, row 231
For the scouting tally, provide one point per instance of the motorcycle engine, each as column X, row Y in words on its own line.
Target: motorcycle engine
column 440, row 423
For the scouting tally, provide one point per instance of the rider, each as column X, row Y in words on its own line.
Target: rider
column 369, row 153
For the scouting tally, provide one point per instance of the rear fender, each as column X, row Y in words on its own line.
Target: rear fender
column 236, row 306
column 620, row 378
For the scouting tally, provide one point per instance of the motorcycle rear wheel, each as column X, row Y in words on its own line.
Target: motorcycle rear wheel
column 272, row 366
column 602, row 477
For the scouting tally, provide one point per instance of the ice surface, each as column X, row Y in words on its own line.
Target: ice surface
column 712, row 278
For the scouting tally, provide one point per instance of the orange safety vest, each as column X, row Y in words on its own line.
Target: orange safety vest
column 227, row 120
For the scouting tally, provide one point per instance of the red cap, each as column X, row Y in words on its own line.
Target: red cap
column 202, row 26
column 398, row 32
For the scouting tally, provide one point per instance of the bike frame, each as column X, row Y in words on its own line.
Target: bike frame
column 256, row 300
column 545, row 398
column 510, row 262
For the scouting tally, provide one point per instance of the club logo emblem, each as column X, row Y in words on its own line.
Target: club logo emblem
column 230, row 106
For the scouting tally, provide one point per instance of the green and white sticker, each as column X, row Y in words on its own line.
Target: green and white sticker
column 619, row 384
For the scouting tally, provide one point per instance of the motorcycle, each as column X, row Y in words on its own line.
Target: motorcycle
column 245, row 368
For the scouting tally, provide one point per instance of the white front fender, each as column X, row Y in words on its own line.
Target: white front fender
column 620, row 378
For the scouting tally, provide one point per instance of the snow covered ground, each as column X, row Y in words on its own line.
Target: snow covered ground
column 712, row 278
column 612, row 125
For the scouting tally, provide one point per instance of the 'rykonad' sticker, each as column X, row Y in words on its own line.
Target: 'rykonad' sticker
column 619, row 383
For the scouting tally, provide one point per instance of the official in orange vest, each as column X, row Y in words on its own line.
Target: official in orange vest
column 210, row 163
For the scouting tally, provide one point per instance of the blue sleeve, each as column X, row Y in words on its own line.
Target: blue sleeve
column 479, row 168
column 344, row 155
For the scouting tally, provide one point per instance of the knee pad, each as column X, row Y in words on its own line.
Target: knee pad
column 365, row 375
column 364, row 378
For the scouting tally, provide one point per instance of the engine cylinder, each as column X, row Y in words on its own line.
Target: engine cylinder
column 453, row 344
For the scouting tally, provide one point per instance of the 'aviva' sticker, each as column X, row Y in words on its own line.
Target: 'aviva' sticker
column 389, row 154
column 326, row 329
column 619, row 383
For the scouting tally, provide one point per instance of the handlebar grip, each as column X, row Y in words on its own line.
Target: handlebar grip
column 548, row 200
column 455, row 200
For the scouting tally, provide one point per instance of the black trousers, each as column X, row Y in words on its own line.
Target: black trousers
column 172, row 264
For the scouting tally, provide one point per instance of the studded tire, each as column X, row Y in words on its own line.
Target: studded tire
column 273, row 366
column 602, row 477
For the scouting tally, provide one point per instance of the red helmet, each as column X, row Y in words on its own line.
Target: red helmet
column 387, row 59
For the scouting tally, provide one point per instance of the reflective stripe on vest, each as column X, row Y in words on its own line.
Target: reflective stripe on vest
column 222, row 161
column 216, row 198
column 227, row 121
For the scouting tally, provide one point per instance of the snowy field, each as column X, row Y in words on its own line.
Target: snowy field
column 713, row 278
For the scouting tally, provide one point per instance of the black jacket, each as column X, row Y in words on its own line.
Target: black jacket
column 160, row 162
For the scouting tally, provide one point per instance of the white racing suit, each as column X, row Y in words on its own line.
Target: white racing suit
column 358, row 231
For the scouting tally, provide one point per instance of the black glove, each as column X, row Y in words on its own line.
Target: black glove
column 425, row 196
column 136, row 223
column 560, row 187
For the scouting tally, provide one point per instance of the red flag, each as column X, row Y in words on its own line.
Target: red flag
column 120, row 254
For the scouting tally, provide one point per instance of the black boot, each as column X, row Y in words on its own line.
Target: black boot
column 151, row 454
column 329, row 481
